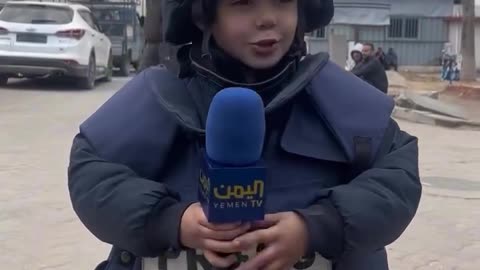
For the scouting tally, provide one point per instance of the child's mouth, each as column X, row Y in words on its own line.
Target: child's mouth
column 266, row 46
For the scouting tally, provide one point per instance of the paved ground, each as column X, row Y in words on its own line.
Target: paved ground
column 38, row 229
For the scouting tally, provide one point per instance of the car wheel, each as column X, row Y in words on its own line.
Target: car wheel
column 88, row 82
column 125, row 66
column 109, row 71
column 136, row 65
column 3, row 80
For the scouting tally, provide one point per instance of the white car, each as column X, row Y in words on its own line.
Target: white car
column 39, row 39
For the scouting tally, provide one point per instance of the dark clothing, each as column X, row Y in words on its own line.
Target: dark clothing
column 392, row 59
column 383, row 60
column 153, row 24
column 356, row 68
column 150, row 56
column 156, row 51
column 162, row 54
column 134, row 164
column 372, row 71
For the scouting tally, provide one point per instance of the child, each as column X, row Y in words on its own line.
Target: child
column 343, row 178
column 356, row 57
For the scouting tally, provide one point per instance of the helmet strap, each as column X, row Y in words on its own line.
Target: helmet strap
column 207, row 35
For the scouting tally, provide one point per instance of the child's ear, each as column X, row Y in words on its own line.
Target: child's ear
column 197, row 15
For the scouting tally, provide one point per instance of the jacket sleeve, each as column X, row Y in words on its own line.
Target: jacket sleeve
column 365, row 69
column 375, row 208
column 119, row 207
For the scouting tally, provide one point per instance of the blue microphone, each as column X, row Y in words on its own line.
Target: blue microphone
column 232, row 180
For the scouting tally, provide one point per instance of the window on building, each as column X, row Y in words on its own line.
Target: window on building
column 403, row 28
column 320, row 33
column 411, row 28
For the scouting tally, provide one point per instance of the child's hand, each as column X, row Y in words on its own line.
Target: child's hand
column 197, row 233
column 285, row 242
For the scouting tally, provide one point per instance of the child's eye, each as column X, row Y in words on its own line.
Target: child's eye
column 240, row 2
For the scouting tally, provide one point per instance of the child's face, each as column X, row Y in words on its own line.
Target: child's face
column 357, row 56
column 257, row 32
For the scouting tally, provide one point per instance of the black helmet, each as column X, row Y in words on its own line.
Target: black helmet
column 179, row 27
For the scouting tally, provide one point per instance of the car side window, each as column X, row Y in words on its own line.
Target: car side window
column 95, row 22
column 87, row 17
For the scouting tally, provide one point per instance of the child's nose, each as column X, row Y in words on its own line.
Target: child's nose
column 266, row 20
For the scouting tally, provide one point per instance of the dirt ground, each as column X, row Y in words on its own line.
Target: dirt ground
column 424, row 81
column 465, row 95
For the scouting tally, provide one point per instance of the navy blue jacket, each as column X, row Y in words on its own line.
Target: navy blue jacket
column 134, row 165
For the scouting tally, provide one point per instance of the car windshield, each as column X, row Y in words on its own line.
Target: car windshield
column 113, row 20
column 114, row 15
column 36, row 14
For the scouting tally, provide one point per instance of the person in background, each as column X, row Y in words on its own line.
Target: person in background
column 392, row 59
column 371, row 70
column 141, row 19
column 357, row 56
column 156, row 51
column 450, row 70
column 380, row 54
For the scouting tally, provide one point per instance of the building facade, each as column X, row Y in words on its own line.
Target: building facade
column 417, row 30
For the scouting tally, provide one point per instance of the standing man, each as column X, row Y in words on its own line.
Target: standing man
column 371, row 70
column 156, row 51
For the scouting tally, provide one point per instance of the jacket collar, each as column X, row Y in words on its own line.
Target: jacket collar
column 307, row 134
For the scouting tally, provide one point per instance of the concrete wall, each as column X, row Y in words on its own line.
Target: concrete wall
column 477, row 45
column 455, row 38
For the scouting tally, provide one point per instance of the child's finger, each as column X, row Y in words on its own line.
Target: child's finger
column 220, row 235
column 262, row 260
column 255, row 238
column 221, row 227
column 226, row 227
column 221, row 246
column 219, row 261
column 262, row 224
